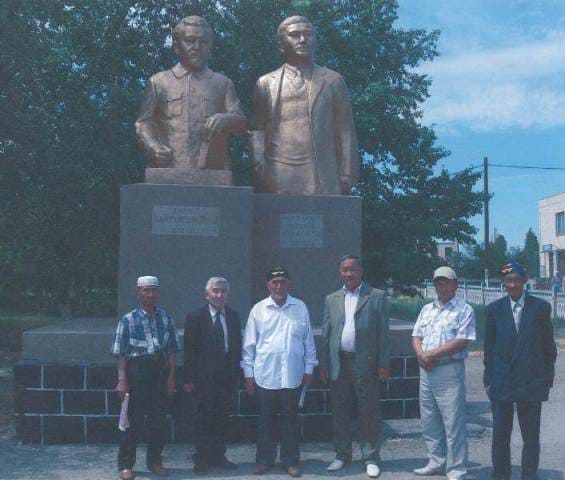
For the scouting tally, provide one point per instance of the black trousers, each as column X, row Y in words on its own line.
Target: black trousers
column 148, row 400
column 215, row 399
column 529, row 415
column 272, row 402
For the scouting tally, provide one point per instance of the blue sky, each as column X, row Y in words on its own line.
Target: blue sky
column 499, row 91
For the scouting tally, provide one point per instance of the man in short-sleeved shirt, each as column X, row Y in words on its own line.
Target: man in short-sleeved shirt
column 145, row 346
column 440, row 338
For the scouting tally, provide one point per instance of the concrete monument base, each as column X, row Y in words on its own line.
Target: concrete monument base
column 307, row 235
column 184, row 234
column 188, row 176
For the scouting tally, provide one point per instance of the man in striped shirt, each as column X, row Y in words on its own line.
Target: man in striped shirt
column 440, row 339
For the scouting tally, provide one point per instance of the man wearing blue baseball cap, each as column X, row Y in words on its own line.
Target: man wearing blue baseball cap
column 519, row 362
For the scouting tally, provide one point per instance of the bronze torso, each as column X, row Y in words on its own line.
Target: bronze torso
column 175, row 108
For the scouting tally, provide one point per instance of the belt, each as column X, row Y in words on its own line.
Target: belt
column 345, row 354
column 153, row 358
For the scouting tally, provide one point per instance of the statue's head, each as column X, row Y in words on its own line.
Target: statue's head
column 296, row 38
column 192, row 42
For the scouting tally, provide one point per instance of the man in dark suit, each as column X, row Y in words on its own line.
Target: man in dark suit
column 355, row 357
column 519, row 362
column 212, row 352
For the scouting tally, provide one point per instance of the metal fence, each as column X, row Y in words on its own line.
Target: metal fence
column 481, row 295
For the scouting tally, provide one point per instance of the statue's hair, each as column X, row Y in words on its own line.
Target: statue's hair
column 291, row 21
column 192, row 21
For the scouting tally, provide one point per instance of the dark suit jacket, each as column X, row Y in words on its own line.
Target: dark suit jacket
column 199, row 361
column 371, row 331
column 519, row 366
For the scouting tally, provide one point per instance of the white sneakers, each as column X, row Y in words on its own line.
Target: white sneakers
column 429, row 470
column 335, row 465
column 373, row 470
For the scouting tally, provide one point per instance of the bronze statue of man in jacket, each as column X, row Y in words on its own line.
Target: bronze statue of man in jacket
column 189, row 111
column 302, row 133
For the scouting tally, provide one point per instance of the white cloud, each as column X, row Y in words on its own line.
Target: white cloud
column 519, row 86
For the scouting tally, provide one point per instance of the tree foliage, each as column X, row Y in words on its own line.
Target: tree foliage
column 71, row 77
column 471, row 265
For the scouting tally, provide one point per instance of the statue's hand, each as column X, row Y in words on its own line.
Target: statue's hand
column 217, row 123
column 161, row 156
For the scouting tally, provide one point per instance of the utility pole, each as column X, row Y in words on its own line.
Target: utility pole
column 485, row 201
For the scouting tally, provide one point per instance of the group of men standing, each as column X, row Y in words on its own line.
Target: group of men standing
column 278, row 358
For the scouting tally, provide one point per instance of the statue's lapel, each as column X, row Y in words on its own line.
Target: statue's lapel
column 316, row 85
column 275, row 84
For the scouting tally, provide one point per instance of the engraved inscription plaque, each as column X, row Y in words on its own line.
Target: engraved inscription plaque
column 302, row 231
column 180, row 220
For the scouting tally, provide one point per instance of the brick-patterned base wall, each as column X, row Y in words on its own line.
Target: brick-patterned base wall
column 77, row 404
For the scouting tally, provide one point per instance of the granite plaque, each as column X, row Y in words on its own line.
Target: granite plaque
column 182, row 220
column 302, row 231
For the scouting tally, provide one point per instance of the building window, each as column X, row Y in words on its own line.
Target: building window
column 448, row 252
column 560, row 223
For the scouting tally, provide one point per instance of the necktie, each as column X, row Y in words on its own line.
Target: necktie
column 219, row 333
column 298, row 80
column 517, row 315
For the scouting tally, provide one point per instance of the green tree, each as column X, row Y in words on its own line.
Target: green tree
column 473, row 261
column 71, row 77
column 529, row 254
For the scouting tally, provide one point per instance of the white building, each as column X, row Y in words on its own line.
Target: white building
column 552, row 235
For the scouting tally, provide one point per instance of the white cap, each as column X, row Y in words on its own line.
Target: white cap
column 147, row 281
column 445, row 272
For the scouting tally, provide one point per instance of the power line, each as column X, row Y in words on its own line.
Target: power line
column 530, row 167
column 525, row 166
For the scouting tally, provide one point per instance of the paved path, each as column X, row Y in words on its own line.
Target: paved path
column 402, row 451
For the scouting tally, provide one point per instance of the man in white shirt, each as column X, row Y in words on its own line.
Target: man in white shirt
column 440, row 338
column 355, row 357
column 278, row 357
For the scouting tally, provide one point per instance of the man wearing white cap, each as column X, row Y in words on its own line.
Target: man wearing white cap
column 440, row 338
column 145, row 346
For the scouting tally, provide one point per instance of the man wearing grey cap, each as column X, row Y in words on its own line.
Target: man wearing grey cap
column 440, row 338
column 145, row 346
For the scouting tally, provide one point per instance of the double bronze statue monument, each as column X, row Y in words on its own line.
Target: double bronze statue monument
column 301, row 132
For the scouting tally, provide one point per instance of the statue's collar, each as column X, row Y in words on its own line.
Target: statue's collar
column 179, row 70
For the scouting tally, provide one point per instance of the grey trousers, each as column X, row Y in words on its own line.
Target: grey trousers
column 442, row 410
column 366, row 390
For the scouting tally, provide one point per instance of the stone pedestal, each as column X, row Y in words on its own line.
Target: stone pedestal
column 307, row 236
column 184, row 234
column 188, row 176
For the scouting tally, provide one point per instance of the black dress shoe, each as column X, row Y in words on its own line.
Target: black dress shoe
column 200, row 468
column 225, row 464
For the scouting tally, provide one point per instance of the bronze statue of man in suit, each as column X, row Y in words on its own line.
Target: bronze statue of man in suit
column 189, row 111
column 302, row 133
